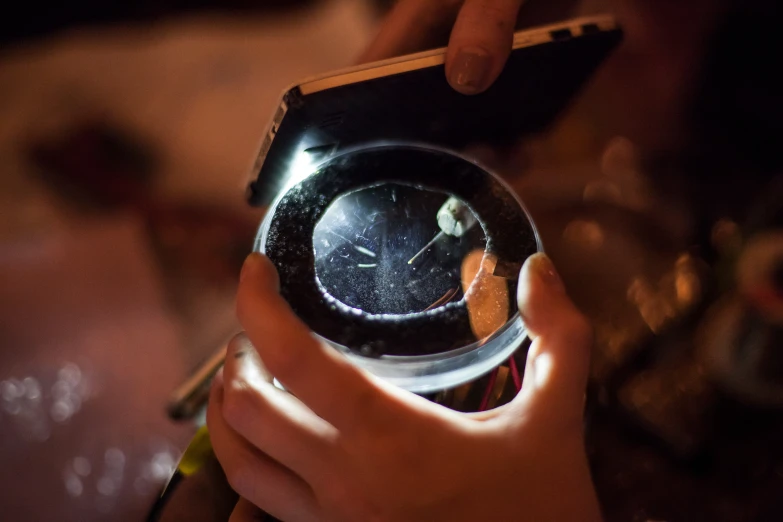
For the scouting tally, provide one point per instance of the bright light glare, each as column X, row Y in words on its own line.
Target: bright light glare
column 300, row 168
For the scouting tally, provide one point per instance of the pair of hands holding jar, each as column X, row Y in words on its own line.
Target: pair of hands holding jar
column 346, row 446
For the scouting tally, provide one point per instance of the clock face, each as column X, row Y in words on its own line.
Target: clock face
column 379, row 249
column 382, row 260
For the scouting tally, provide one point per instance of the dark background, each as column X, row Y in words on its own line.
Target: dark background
column 30, row 20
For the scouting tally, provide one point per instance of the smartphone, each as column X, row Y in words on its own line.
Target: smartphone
column 409, row 99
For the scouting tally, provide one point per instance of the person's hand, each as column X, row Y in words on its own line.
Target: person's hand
column 479, row 45
column 346, row 446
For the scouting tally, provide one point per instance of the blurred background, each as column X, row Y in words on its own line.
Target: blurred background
column 127, row 134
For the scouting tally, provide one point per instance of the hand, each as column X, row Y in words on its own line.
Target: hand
column 480, row 42
column 346, row 446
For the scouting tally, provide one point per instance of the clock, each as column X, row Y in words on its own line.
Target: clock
column 405, row 258
column 379, row 249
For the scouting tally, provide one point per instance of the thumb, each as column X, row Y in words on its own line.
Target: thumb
column 558, row 361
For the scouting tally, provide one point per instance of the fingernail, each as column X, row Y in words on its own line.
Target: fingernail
column 542, row 266
column 249, row 265
column 470, row 70
column 238, row 345
column 217, row 379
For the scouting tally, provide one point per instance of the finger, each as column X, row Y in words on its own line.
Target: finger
column 559, row 357
column 270, row 419
column 412, row 26
column 245, row 511
column 480, row 43
column 255, row 476
column 319, row 376
column 240, row 347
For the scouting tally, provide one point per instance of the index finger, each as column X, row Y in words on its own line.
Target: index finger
column 480, row 43
column 316, row 374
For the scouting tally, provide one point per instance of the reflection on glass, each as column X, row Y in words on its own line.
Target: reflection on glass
column 380, row 250
column 486, row 295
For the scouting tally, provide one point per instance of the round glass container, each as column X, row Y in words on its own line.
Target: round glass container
column 405, row 259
